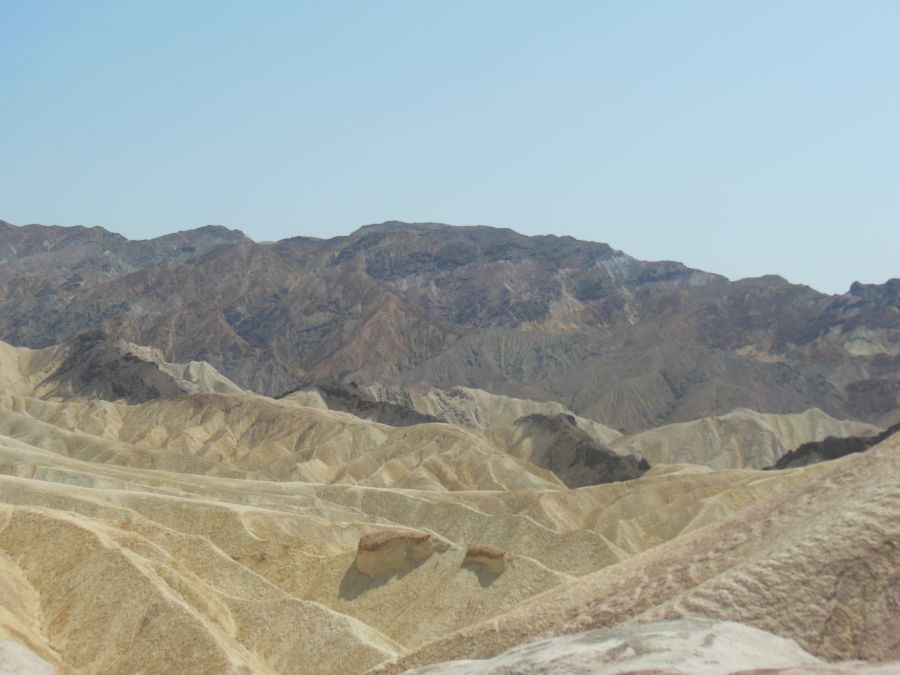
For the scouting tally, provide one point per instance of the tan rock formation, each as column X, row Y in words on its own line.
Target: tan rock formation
column 391, row 551
column 492, row 559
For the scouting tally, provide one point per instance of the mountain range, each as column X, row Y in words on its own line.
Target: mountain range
column 628, row 343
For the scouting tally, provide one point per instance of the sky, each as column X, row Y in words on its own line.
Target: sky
column 740, row 137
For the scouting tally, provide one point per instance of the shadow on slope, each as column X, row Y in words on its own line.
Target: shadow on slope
column 558, row 444
column 830, row 448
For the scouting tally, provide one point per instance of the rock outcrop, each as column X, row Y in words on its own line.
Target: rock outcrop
column 16, row 659
column 157, row 517
column 490, row 558
column 391, row 551
column 684, row 647
column 101, row 501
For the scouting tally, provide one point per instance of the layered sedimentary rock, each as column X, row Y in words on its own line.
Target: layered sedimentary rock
column 96, row 365
column 391, row 551
column 152, row 422
column 491, row 559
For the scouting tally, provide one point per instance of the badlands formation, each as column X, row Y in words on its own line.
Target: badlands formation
column 214, row 530
column 441, row 450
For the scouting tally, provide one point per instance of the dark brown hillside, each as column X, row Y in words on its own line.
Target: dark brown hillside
column 831, row 448
column 630, row 343
column 43, row 270
column 573, row 455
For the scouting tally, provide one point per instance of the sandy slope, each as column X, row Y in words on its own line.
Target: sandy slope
column 740, row 439
column 818, row 563
column 207, row 425
column 255, row 437
column 22, row 370
column 218, row 533
column 278, row 442
column 224, row 574
column 481, row 409
column 83, row 367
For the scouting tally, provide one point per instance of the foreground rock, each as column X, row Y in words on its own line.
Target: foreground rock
column 132, row 541
column 742, row 439
column 688, row 646
column 16, row 659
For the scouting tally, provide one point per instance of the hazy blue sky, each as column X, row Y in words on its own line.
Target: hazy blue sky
column 740, row 137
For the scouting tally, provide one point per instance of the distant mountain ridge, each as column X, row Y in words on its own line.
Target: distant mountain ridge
column 628, row 343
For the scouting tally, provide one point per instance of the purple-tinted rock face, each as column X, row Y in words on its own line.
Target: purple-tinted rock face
column 630, row 343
